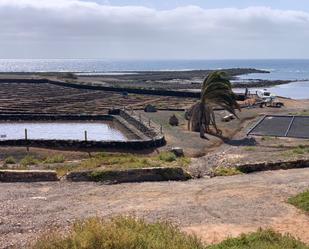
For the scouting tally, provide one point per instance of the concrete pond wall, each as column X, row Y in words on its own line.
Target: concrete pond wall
column 149, row 140
column 28, row 176
column 131, row 175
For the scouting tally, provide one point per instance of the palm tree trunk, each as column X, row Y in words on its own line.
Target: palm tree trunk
column 202, row 120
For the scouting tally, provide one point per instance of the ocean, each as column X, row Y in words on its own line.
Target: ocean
column 279, row 69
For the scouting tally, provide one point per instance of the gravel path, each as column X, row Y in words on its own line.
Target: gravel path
column 212, row 208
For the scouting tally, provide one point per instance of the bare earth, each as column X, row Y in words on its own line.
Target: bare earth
column 212, row 208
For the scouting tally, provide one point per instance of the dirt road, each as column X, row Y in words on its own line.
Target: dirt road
column 211, row 208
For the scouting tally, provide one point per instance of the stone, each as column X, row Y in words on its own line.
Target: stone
column 173, row 121
column 150, row 108
column 177, row 151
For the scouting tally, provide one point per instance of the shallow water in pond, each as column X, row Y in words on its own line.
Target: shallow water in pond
column 96, row 131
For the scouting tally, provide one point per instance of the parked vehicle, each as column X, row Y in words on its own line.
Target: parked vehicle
column 266, row 96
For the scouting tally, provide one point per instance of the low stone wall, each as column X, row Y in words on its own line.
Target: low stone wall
column 131, row 175
column 54, row 117
column 75, row 144
column 28, row 176
column 264, row 166
column 158, row 92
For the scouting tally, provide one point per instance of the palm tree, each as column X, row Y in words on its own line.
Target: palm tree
column 216, row 91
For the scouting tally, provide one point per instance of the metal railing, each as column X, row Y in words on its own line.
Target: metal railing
column 148, row 122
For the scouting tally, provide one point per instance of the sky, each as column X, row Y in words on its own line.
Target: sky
column 149, row 29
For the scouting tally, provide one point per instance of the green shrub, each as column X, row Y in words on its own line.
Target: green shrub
column 263, row 239
column 167, row 157
column 119, row 233
column 55, row 159
column 9, row 160
column 301, row 201
column 249, row 148
column 226, row 171
column 299, row 150
column 29, row 160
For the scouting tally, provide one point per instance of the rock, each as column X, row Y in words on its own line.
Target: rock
column 150, row 108
column 173, row 121
column 177, row 151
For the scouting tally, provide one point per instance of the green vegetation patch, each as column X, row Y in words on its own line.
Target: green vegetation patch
column 268, row 138
column 118, row 161
column 130, row 233
column 29, row 160
column 54, row 159
column 301, row 201
column 299, row 150
column 301, row 113
column 226, row 171
column 250, row 148
column 9, row 160
column 263, row 239
column 167, row 157
column 119, row 233
column 104, row 161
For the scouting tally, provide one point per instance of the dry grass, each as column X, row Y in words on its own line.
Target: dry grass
column 262, row 239
column 301, row 201
column 9, row 160
column 54, row 159
column 226, row 171
column 116, row 161
column 119, row 233
column 129, row 233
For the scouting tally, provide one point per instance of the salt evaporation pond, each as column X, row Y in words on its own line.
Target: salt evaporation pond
column 96, row 131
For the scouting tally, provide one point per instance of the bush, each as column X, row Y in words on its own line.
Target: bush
column 119, row 233
column 55, row 159
column 263, row 239
column 167, row 157
column 29, row 160
column 9, row 160
column 226, row 171
column 301, row 201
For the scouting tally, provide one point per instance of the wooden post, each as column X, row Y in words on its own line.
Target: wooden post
column 140, row 117
column 26, row 138
column 86, row 136
column 161, row 129
column 149, row 123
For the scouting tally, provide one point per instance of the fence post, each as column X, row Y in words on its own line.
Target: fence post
column 26, row 134
column 149, row 124
column 140, row 117
column 161, row 129
column 86, row 136
column 26, row 138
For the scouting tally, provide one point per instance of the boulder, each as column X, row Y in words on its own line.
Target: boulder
column 173, row 121
column 150, row 108
column 177, row 151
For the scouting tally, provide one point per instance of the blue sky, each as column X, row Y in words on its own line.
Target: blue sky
column 148, row 29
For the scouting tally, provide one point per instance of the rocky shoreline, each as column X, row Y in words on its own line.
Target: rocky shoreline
column 158, row 80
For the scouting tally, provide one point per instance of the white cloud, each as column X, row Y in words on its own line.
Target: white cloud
column 76, row 28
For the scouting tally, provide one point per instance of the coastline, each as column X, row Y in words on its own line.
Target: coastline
column 185, row 80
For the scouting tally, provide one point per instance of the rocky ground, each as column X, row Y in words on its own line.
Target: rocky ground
column 212, row 208
column 49, row 98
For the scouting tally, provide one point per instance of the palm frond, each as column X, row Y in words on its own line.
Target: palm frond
column 216, row 91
